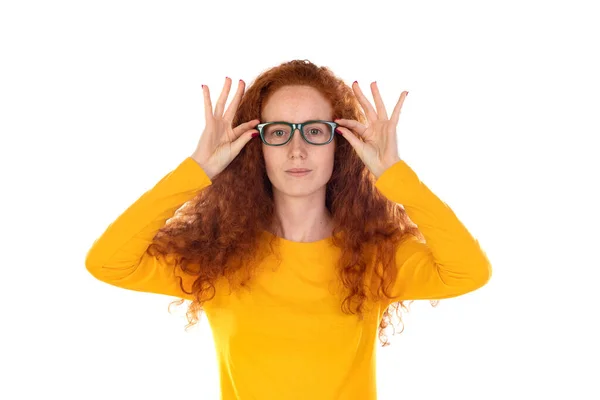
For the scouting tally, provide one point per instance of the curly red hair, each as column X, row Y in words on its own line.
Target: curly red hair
column 214, row 230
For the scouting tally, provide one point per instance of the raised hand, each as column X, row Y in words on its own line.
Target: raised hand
column 220, row 143
column 378, row 145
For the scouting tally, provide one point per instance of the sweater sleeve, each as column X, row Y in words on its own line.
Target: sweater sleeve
column 450, row 262
column 119, row 257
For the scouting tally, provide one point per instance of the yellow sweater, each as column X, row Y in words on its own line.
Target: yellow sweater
column 289, row 338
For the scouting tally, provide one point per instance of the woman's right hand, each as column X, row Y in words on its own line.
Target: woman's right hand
column 220, row 143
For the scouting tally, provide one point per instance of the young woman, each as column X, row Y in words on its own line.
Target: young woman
column 297, row 245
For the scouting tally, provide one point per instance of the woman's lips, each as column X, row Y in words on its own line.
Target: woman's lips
column 298, row 173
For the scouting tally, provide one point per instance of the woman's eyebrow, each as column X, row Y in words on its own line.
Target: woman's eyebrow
column 312, row 119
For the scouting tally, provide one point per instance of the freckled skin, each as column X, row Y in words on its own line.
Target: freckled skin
column 300, row 200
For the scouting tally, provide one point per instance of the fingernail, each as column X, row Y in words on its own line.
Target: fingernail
column 338, row 131
column 355, row 82
column 202, row 86
column 254, row 135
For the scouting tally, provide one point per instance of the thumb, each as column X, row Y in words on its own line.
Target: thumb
column 240, row 142
column 356, row 143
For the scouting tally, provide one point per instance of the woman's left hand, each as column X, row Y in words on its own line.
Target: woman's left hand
column 378, row 148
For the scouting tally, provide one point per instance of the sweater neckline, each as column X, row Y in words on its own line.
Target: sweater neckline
column 290, row 244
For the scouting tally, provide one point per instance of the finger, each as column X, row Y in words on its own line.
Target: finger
column 356, row 143
column 381, row 112
column 238, row 144
column 364, row 102
column 235, row 102
column 208, row 114
column 240, row 129
column 352, row 124
column 396, row 112
column 223, row 98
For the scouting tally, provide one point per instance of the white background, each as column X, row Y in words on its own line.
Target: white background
column 99, row 100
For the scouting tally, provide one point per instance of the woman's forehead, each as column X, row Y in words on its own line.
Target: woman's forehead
column 296, row 104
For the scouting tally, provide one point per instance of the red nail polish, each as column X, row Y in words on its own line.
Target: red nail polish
column 254, row 135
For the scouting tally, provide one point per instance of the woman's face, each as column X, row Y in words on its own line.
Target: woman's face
column 296, row 104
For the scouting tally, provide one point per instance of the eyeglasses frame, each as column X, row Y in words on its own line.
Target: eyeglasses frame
column 298, row 126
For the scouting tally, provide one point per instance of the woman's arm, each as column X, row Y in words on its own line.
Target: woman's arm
column 119, row 257
column 451, row 262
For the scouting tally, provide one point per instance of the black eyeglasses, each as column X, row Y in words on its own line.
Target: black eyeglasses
column 315, row 132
